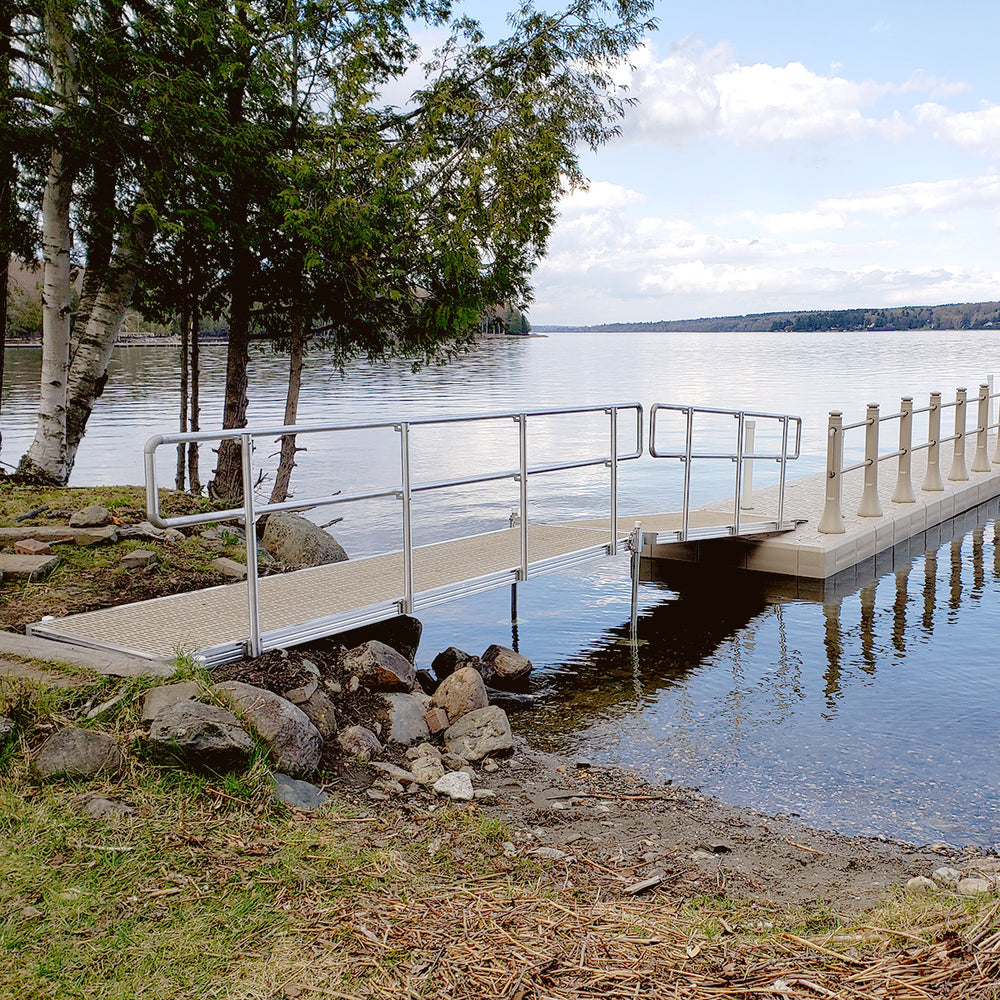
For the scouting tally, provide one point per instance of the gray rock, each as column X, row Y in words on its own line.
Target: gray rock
column 461, row 693
column 294, row 742
column 947, row 878
column 456, row 785
column 505, row 669
column 359, row 742
column 296, row 540
column 401, row 633
column 229, row 567
column 922, row 884
column 975, row 886
column 480, row 733
column 321, row 713
column 94, row 516
column 76, row 753
column 204, row 737
column 303, row 692
column 427, row 770
column 446, row 663
column 380, row 668
column 404, row 718
column 99, row 807
column 397, row 774
column 106, row 535
column 159, row 698
column 7, row 728
column 297, row 794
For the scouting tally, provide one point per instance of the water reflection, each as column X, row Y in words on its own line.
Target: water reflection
column 865, row 702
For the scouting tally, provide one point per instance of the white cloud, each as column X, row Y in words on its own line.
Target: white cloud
column 920, row 197
column 977, row 130
column 599, row 196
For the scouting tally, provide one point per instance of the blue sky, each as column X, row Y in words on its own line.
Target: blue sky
column 789, row 156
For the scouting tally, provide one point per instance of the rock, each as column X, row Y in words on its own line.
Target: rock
column 297, row 794
column 505, row 669
column 158, row 698
column 947, row 878
column 549, row 853
column 405, row 718
column 437, row 720
column 427, row 681
column 975, row 886
column 480, row 733
column 401, row 633
column 485, row 795
column 204, row 737
column 303, row 692
column 359, row 742
column 380, row 668
column 296, row 540
column 456, row 785
column 321, row 713
column 446, row 663
column 76, row 753
column 137, row 558
column 229, row 567
column 424, row 750
column 427, row 770
column 32, row 547
column 17, row 567
column 94, row 516
column 397, row 774
column 454, row 761
column 99, row 807
column 922, row 884
column 97, row 536
column 461, row 693
column 294, row 742
column 7, row 729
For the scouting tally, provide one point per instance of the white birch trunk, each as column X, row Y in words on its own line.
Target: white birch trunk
column 46, row 457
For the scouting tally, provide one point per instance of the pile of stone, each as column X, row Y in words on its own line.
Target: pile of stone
column 973, row 878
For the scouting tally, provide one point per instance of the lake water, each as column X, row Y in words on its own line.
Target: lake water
column 874, row 711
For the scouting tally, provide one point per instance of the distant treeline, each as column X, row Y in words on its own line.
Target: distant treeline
column 959, row 316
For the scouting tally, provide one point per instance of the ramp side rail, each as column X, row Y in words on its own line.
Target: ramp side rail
column 742, row 455
column 403, row 490
column 832, row 521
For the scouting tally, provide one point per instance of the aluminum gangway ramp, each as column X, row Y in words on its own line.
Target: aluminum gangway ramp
column 225, row 623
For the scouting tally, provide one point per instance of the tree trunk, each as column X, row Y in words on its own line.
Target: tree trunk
column 46, row 458
column 286, row 462
column 92, row 354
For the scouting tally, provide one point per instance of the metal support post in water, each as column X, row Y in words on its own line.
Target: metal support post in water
column 613, row 546
column 513, row 617
column 688, row 450
column 522, row 434
column 741, row 421
column 748, row 447
column 635, row 544
column 959, row 472
column 981, row 462
column 407, row 497
column 904, row 483
column 832, row 521
column 870, row 506
column 250, row 529
column 932, row 477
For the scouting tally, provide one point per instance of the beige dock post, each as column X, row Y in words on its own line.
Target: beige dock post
column 870, row 507
column 832, row 521
column 932, row 477
column 981, row 462
column 989, row 413
column 959, row 472
column 748, row 446
column 904, row 483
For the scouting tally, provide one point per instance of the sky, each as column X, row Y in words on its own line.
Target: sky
column 785, row 156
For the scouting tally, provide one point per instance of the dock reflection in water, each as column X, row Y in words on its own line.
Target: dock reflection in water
column 867, row 702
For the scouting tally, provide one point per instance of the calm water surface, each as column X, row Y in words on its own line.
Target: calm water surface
column 872, row 708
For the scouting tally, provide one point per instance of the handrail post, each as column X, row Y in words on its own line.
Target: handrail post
column 832, row 521
column 749, row 444
column 870, row 506
column 406, row 496
column 688, row 449
column 522, row 433
column 250, row 531
column 959, row 472
column 989, row 412
column 932, row 477
column 904, row 481
column 981, row 462
column 782, row 466
column 613, row 413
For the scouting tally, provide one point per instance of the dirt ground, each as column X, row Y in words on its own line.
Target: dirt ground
column 624, row 831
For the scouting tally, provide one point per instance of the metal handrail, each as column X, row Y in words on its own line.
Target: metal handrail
column 832, row 521
column 742, row 456
column 250, row 512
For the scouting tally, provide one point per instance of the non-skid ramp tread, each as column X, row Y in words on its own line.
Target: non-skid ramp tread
column 195, row 620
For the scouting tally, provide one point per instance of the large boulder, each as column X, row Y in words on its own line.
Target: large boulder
column 206, row 738
column 404, row 717
column 460, row 693
column 480, row 734
column 380, row 668
column 294, row 742
column 505, row 669
column 296, row 540
column 158, row 698
column 447, row 662
column 76, row 753
column 402, row 633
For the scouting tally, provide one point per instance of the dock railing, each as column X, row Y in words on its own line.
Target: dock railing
column 742, row 455
column 404, row 490
column 832, row 521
